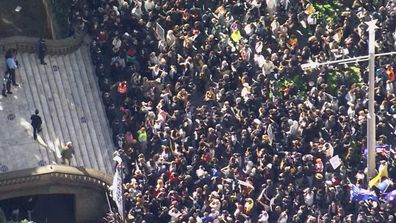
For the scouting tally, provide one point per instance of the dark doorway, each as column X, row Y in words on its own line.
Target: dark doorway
column 54, row 208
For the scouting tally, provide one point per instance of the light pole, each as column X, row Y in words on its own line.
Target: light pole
column 371, row 127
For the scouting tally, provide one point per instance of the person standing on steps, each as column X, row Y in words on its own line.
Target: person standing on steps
column 42, row 49
column 67, row 153
column 6, row 84
column 12, row 64
column 36, row 123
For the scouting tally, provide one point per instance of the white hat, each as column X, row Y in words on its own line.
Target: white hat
column 117, row 159
column 257, row 121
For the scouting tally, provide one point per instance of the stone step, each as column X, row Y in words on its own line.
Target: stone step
column 58, row 96
column 48, row 113
column 39, row 100
column 45, row 155
column 97, row 96
column 87, row 105
column 97, row 114
column 80, row 112
column 52, row 99
column 77, row 136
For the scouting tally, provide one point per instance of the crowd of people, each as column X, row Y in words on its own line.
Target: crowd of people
column 216, row 121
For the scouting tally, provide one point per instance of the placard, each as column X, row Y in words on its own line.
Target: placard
column 335, row 161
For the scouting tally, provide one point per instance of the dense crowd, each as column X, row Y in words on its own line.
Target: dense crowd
column 216, row 121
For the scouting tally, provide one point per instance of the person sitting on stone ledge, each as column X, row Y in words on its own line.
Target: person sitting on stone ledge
column 67, row 153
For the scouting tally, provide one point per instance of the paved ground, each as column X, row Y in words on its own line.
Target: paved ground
column 17, row 148
column 30, row 21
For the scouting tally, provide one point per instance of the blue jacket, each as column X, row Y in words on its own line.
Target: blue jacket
column 11, row 63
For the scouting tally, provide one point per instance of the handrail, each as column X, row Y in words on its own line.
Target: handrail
column 29, row 44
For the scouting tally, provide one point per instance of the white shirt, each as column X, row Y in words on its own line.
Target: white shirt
column 389, row 88
column 149, row 5
column 116, row 43
column 309, row 198
column 137, row 11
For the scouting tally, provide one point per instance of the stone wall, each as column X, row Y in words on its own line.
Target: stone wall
column 57, row 14
column 87, row 185
column 29, row 44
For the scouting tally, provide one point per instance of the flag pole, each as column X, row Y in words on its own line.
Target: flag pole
column 122, row 192
column 108, row 203
column 371, row 126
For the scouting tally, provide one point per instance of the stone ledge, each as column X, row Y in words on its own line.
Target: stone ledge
column 52, row 174
column 54, row 47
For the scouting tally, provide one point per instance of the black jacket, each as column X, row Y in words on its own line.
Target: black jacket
column 36, row 120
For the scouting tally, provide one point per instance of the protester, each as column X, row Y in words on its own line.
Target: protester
column 216, row 121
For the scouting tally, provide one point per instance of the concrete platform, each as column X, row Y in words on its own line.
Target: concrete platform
column 66, row 93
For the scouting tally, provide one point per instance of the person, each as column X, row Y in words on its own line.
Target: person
column 225, row 104
column 42, row 49
column 36, row 123
column 12, row 64
column 67, row 153
column 6, row 84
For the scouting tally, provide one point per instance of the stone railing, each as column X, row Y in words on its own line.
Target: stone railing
column 29, row 44
column 87, row 185
column 57, row 174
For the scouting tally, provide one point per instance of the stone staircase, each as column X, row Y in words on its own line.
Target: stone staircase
column 65, row 92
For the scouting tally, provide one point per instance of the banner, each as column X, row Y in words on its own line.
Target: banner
column 383, row 149
column 117, row 190
column 160, row 31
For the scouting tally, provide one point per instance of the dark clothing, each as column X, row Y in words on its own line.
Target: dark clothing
column 6, row 84
column 12, row 76
column 41, row 51
column 36, row 123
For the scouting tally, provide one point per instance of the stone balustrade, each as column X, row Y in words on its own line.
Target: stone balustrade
column 54, row 47
column 58, row 174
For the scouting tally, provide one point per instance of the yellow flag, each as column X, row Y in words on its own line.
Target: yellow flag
column 310, row 9
column 383, row 172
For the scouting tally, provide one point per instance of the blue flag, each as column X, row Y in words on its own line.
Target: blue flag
column 358, row 194
column 391, row 197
